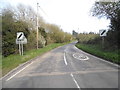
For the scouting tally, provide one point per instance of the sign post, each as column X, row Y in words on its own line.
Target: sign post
column 19, row 49
column 21, row 39
column 103, row 41
column 22, row 49
column 103, row 33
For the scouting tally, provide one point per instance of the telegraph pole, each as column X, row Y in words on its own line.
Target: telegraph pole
column 37, row 33
column 37, row 26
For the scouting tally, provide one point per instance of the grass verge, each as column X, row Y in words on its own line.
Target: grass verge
column 96, row 50
column 12, row 61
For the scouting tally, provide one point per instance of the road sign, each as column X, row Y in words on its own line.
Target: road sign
column 23, row 41
column 20, row 40
column 20, row 35
column 103, row 32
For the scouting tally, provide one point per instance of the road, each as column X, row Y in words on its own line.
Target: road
column 64, row 67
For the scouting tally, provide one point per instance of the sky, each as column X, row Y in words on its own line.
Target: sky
column 69, row 15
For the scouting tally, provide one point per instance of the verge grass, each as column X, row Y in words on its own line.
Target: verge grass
column 12, row 61
column 96, row 50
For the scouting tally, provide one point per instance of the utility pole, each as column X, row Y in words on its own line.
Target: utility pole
column 37, row 26
column 37, row 33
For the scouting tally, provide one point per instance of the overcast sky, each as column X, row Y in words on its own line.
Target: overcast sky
column 68, row 14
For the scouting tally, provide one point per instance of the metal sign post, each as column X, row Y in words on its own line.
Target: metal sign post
column 22, row 49
column 103, row 42
column 20, row 40
column 103, row 33
column 19, row 49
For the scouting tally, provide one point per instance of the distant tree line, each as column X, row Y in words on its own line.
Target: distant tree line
column 111, row 11
column 23, row 19
column 87, row 38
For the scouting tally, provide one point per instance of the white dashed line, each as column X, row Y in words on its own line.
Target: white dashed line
column 65, row 59
column 18, row 72
column 75, row 81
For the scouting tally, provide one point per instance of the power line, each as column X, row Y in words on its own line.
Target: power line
column 43, row 11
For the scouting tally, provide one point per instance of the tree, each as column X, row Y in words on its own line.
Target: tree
column 8, row 47
column 74, row 33
column 110, row 10
column 10, row 26
column 42, row 31
column 42, row 37
column 23, row 19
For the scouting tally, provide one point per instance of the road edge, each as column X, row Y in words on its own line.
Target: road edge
column 111, row 63
column 26, row 63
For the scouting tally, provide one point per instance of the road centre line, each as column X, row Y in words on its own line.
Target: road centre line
column 65, row 59
column 75, row 81
column 18, row 72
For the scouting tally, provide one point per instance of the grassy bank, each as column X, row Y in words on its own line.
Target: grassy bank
column 96, row 50
column 12, row 61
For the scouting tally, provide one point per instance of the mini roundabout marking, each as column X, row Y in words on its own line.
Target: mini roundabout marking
column 81, row 57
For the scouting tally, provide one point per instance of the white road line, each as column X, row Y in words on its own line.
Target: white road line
column 107, row 62
column 77, row 57
column 18, row 72
column 100, row 58
column 75, row 47
column 65, row 59
column 75, row 81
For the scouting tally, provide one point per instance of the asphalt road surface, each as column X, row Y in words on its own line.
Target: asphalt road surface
column 64, row 67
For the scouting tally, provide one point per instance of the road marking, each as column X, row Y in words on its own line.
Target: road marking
column 108, row 62
column 18, row 72
column 75, row 81
column 79, row 56
column 100, row 58
column 75, row 47
column 65, row 59
column 68, row 73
